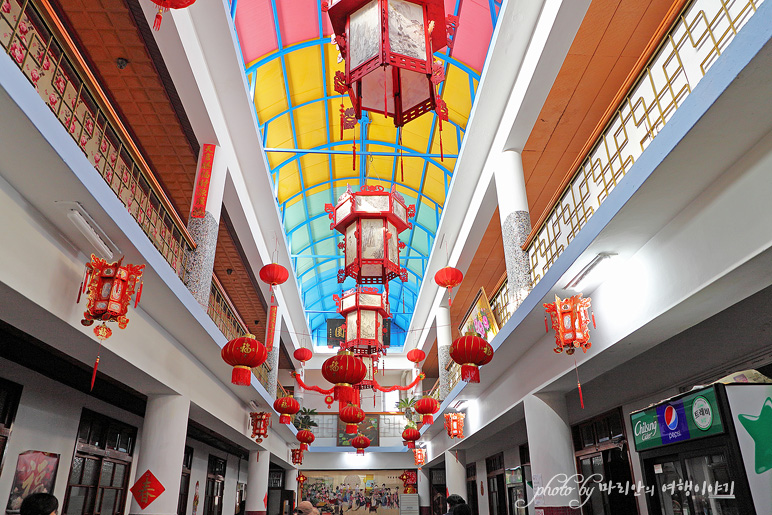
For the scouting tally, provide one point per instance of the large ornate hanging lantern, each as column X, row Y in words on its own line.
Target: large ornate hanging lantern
column 449, row 278
column 410, row 435
column 471, row 352
column 454, row 424
column 109, row 287
column 165, row 5
column 352, row 415
column 297, row 457
column 364, row 309
column 370, row 221
column 388, row 47
column 243, row 354
column 427, row 406
column 259, row 422
column 306, row 438
column 344, row 371
column 419, row 455
column 287, row 406
column 360, row 443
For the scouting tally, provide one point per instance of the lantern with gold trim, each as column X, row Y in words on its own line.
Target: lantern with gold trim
column 454, row 424
column 259, row 422
column 301, row 479
column 471, row 352
column 410, row 435
column 297, row 457
column 352, row 415
column 110, row 287
column 427, row 406
column 243, row 354
column 164, row 6
column 306, row 438
column 360, row 443
column 409, row 480
column 419, row 455
column 448, row 278
column 287, row 406
column 344, row 370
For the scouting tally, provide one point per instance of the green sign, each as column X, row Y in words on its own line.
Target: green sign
column 690, row 417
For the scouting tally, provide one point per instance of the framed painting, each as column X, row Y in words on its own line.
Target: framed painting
column 368, row 427
column 35, row 473
column 479, row 320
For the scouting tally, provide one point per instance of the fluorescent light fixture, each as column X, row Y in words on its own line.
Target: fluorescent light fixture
column 91, row 235
column 581, row 278
column 459, row 405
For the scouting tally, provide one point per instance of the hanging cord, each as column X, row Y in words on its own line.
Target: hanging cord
column 578, row 384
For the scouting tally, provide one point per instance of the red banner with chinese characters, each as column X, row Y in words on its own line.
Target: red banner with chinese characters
column 201, row 192
column 146, row 489
column 271, row 331
column 35, row 473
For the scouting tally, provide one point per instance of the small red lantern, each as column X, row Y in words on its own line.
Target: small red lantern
column 360, row 443
column 416, row 356
column 328, row 400
column 301, row 478
column 449, row 278
column 410, row 435
column 454, row 424
column 243, row 354
column 165, row 5
column 303, row 354
column 344, row 371
column 388, row 47
column 370, row 221
column 297, row 459
column 306, row 438
column 352, row 415
column 471, row 352
column 409, row 480
column 109, row 287
column 427, row 406
column 260, row 422
column 420, row 457
column 287, row 406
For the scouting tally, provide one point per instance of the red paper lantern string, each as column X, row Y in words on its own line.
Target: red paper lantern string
column 313, row 388
column 394, row 388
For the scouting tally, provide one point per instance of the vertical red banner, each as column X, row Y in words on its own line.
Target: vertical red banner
column 201, row 192
column 271, row 331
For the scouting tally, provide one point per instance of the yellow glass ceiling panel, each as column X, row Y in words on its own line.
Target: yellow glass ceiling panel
column 304, row 71
column 279, row 135
column 270, row 99
column 311, row 125
column 289, row 181
column 315, row 169
column 434, row 184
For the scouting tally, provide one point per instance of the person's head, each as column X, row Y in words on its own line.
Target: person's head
column 39, row 504
column 454, row 500
column 306, row 508
column 461, row 509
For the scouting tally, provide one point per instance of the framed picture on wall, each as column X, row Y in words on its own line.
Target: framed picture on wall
column 368, row 427
column 479, row 320
column 35, row 473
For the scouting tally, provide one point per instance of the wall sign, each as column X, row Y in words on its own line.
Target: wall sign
column 201, row 193
column 35, row 473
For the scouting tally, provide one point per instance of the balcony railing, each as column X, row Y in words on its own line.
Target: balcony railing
column 37, row 42
column 685, row 54
column 389, row 425
column 500, row 304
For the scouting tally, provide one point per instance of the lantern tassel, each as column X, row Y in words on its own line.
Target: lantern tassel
column 470, row 373
column 386, row 91
column 351, row 429
column 593, row 321
column 93, row 374
column 139, row 295
column 428, row 420
column 410, row 444
column 546, row 327
column 241, row 375
column 303, row 447
column 360, row 452
column 285, row 419
column 342, row 111
column 578, row 384
column 450, row 297
column 442, row 156
column 158, row 19
column 345, row 394
column 354, row 156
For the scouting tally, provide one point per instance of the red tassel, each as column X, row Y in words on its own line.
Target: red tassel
column 81, row 289
column 546, row 327
column 93, row 374
column 241, row 376
column 442, row 157
column 303, row 447
column 351, row 429
column 470, row 373
column 285, row 419
column 385, row 92
column 581, row 397
column 354, row 157
column 593, row 321
column 360, row 452
column 342, row 111
column 410, row 444
column 139, row 295
column 158, row 19
column 428, row 420
column 345, row 394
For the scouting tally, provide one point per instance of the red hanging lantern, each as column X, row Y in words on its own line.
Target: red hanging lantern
column 360, row 443
column 303, row 354
column 260, row 422
column 352, row 415
column 370, row 221
column 165, row 5
column 454, row 424
column 409, row 480
column 243, row 354
column 109, row 287
column 274, row 274
column 344, row 371
column 297, row 459
column 388, row 47
column 306, row 438
column 449, row 278
column 329, row 400
column 287, row 406
column 570, row 322
column 419, row 455
column 416, row 356
column 427, row 406
column 410, row 435
column 301, row 479
column 471, row 352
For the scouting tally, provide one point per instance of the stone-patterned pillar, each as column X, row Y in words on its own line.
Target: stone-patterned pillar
column 444, row 340
column 552, row 453
column 162, row 450
column 515, row 223
column 257, row 483
column 204, row 220
column 273, row 357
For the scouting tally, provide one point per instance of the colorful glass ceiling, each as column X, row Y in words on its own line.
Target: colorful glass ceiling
column 290, row 64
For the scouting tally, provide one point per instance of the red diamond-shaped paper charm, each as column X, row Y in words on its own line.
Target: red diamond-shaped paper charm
column 147, row 489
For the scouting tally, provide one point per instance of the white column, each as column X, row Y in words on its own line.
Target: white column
column 551, row 449
column 515, row 223
column 291, row 484
column 257, row 482
column 204, row 220
column 424, row 492
column 481, row 476
column 455, row 473
column 299, row 391
column 444, row 340
column 162, row 450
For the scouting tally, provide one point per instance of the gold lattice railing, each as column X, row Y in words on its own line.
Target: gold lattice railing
column 36, row 41
column 689, row 48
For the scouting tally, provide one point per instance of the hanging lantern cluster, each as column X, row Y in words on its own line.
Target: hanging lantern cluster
column 409, row 480
column 243, row 354
column 448, row 278
column 260, row 421
column 419, row 455
column 471, row 352
column 286, row 406
column 427, row 406
column 360, row 443
column 388, row 47
column 410, row 435
column 454, row 424
column 352, row 415
column 570, row 322
column 165, row 5
column 297, row 458
column 306, row 438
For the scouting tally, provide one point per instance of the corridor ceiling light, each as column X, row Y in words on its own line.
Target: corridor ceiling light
column 581, row 279
column 90, row 230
